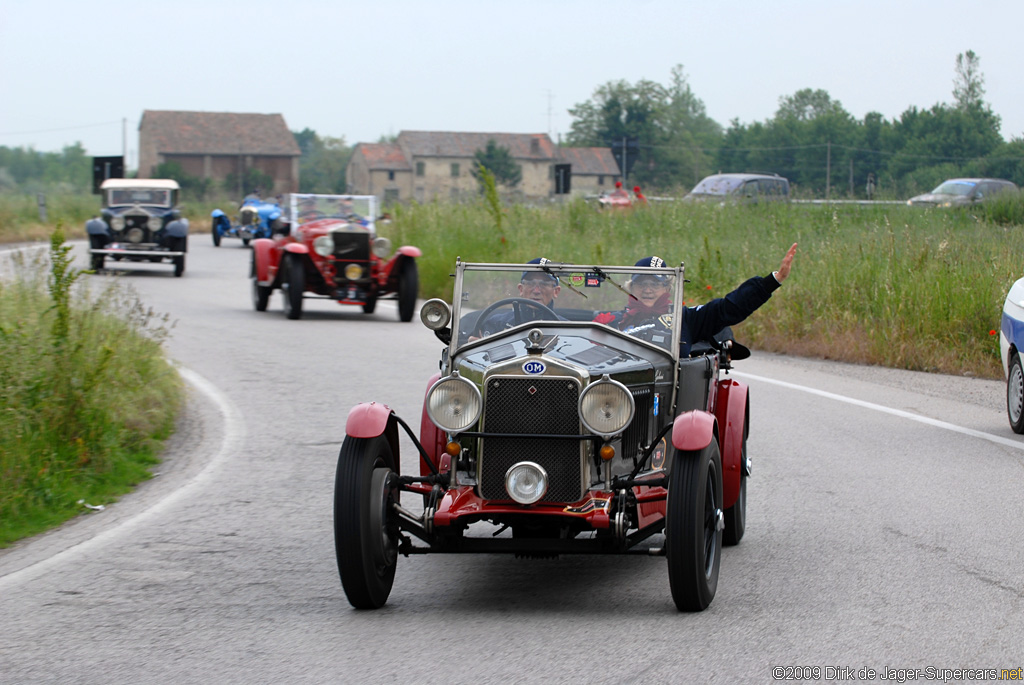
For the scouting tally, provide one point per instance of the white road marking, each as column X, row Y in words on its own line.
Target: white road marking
column 999, row 440
column 234, row 436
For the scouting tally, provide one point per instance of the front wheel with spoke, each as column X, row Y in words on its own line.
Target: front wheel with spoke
column 365, row 525
column 1015, row 394
column 693, row 527
column 293, row 285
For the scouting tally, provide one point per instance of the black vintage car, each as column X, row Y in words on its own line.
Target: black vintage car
column 140, row 222
column 558, row 429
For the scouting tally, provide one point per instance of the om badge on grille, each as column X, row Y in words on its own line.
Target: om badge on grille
column 534, row 367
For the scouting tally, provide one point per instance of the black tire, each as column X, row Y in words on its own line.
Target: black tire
column 97, row 262
column 693, row 534
column 365, row 528
column 408, row 289
column 1015, row 394
column 293, row 285
column 260, row 293
column 179, row 265
column 370, row 304
column 216, row 234
column 245, row 241
column 736, row 515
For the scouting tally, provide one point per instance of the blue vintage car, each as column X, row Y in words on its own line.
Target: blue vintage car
column 257, row 218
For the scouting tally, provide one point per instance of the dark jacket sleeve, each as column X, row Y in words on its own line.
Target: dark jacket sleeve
column 705, row 320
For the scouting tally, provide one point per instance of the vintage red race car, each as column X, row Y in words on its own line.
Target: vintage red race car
column 551, row 430
column 327, row 247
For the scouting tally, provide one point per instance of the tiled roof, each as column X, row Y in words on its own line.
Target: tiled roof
column 452, row 144
column 595, row 161
column 384, row 156
column 219, row 133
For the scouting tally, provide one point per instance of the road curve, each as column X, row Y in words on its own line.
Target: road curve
column 883, row 528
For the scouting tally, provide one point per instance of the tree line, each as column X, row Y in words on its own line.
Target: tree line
column 812, row 140
column 671, row 143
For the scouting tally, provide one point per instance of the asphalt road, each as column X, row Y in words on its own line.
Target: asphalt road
column 883, row 531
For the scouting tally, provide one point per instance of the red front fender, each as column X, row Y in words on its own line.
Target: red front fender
column 431, row 437
column 367, row 420
column 263, row 257
column 731, row 411
column 370, row 419
column 693, row 430
column 410, row 251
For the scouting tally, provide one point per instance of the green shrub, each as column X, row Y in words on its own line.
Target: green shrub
column 84, row 414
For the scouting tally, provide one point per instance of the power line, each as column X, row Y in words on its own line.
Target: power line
column 58, row 130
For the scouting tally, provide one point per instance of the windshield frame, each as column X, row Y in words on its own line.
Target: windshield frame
column 362, row 209
column 563, row 270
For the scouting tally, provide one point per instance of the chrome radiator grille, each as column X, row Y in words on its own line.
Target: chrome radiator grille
column 351, row 247
column 636, row 434
column 532, row 405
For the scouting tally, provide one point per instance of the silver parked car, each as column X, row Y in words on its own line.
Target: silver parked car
column 747, row 188
column 962, row 192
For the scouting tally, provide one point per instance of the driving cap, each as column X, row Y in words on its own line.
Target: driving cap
column 656, row 262
column 542, row 261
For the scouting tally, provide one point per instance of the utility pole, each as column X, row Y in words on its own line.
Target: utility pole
column 828, row 169
column 624, row 165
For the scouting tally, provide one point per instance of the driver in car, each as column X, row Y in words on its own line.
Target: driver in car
column 540, row 287
column 649, row 304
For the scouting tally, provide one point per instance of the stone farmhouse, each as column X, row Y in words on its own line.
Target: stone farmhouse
column 436, row 165
column 220, row 144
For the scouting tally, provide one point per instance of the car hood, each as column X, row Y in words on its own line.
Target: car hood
column 939, row 199
column 596, row 351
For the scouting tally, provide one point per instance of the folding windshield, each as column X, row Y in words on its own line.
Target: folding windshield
column 156, row 197
column 642, row 302
column 355, row 209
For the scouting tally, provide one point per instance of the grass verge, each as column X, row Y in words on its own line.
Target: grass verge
column 88, row 394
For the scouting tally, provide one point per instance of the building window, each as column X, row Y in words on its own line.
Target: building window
column 600, row 180
column 391, row 175
column 455, row 169
column 420, row 169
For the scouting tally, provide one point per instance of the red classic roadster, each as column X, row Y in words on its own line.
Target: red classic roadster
column 327, row 247
column 554, row 431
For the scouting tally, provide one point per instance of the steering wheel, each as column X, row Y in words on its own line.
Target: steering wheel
column 650, row 329
column 516, row 302
column 311, row 215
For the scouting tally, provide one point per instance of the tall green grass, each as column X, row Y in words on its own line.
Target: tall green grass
column 886, row 284
column 88, row 396
column 882, row 284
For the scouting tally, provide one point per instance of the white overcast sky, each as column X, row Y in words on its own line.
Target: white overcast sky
column 74, row 70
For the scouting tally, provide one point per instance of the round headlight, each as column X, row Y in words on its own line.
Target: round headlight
column 353, row 272
column 526, row 482
column 117, row 223
column 606, row 407
column 154, row 223
column 323, row 245
column 435, row 314
column 453, row 403
column 381, row 247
